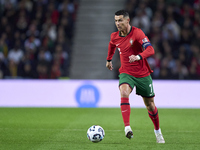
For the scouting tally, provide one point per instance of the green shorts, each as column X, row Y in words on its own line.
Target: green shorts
column 144, row 86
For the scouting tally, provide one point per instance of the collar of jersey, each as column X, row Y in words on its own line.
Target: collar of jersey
column 127, row 34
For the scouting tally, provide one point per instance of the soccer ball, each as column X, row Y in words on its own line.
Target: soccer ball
column 95, row 133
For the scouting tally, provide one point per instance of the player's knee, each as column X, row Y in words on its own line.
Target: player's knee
column 150, row 106
column 124, row 93
column 149, row 102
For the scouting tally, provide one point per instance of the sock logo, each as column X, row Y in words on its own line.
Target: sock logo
column 125, row 110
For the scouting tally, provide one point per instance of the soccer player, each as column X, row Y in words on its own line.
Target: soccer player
column 134, row 47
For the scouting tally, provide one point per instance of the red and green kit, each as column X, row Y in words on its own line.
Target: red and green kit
column 134, row 43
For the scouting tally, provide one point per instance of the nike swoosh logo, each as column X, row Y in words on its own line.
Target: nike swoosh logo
column 125, row 110
column 117, row 44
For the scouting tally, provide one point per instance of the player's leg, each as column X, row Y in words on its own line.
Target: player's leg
column 125, row 86
column 144, row 87
column 153, row 114
column 125, row 91
column 152, row 111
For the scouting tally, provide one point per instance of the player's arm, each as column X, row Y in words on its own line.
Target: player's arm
column 148, row 50
column 111, row 51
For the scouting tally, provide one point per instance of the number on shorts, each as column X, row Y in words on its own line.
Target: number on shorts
column 151, row 86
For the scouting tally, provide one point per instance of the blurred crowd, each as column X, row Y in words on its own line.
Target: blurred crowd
column 173, row 27
column 36, row 37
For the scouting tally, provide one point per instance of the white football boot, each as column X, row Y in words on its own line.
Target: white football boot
column 128, row 132
column 159, row 136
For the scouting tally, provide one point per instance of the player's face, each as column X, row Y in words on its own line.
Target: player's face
column 121, row 22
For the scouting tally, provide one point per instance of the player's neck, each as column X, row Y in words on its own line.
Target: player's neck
column 125, row 32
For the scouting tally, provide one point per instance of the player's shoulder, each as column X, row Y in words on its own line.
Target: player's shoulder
column 135, row 29
column 114, row 34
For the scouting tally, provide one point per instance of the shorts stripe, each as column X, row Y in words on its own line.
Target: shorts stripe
column 126, row 83
column 146, row 96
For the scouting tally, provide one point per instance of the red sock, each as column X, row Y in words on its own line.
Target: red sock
column 125, row 110
column 154, row 117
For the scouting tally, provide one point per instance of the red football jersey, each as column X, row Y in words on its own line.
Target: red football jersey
column 136, row 42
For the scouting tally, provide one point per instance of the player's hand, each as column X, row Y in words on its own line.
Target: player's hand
column 109, row 65
column 133, row 58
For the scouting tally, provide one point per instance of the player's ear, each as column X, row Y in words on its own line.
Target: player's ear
column 127, row 18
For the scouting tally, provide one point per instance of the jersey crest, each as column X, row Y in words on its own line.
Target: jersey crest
column 131, row 42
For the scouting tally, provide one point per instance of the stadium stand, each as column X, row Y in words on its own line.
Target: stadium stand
column 36, row 38
column 173, row 28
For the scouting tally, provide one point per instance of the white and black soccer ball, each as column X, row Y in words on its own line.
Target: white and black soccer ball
column 95, row 133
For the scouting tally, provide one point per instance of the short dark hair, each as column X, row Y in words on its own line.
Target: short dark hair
column 122, row 12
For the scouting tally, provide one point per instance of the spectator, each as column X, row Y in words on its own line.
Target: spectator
column 15, row 54
column 44, row 55
column 67, row 5
column 32, row 42
column 141, row 20
column 60, row 57
column 32, row 30
column 171, row 27
column 3, row 46
column 55, row 71
column 42, row 70
column 27, row 72
column 3, row 68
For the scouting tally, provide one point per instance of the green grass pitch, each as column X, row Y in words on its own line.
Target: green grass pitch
column 65, row 129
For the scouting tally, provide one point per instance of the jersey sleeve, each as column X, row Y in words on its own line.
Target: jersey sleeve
column 143, row 40
column 111, row 49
